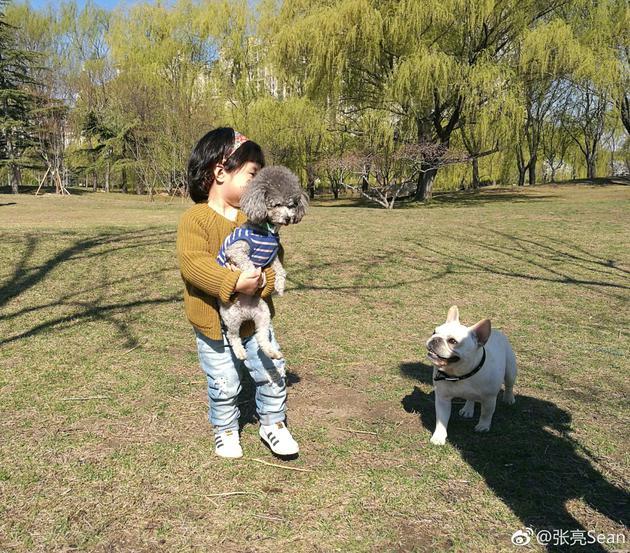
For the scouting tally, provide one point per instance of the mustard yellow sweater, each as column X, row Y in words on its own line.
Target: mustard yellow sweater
column 200, row 234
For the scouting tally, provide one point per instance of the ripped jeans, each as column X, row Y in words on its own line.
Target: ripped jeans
column 222, row 370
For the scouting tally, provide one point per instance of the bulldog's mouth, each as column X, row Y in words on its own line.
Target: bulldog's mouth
column 439, row 360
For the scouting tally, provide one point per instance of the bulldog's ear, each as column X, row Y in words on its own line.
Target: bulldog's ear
column 453, row 315
column 482, row 331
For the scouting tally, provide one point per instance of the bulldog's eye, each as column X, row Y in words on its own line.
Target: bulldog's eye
column 435, row 331
column 452, row 341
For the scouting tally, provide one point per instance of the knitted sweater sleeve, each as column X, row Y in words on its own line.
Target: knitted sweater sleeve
column 197, row 264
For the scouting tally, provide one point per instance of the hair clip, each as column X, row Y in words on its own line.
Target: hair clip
column 239, row 140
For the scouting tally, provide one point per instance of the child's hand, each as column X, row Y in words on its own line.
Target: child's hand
column 248, row 282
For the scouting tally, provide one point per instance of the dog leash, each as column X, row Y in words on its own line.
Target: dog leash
column 445, row 376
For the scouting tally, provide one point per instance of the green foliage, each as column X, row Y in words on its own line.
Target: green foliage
column 314, row 80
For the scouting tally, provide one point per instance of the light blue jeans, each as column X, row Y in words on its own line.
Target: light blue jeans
column 223, row 371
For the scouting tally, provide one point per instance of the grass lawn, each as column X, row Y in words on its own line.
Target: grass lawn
column 105, row 443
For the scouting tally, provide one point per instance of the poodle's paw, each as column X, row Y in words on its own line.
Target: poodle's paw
column 482, row 427
column 438, row 439
column 272, row 353
column 240, row 352
column 467, row 411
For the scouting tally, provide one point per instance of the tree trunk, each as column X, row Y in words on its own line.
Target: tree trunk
column 475, row 173
column 625, row 112
column 107, row 177
column 591, row 167
column 532, row 169
column 522, row 171
column 365, row 182
column 123, row 186
column 310, row 178
column 424, row 188
column 16, row 178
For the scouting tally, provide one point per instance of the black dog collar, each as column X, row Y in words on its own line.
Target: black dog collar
column 441, row 375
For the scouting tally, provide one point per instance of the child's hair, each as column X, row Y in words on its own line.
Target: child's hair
column 211, row 151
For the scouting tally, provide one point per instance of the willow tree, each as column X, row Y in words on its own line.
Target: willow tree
column 238, row 73
column 82, row 70
column 493, row 122
column 293, row 131
column 161, row 98
column 557, row 61
column 546, row 56
column 412, row 61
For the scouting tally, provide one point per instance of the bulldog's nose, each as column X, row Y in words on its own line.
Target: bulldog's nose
column 433, row 342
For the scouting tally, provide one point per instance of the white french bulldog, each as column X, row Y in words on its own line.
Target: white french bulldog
column 470, row 363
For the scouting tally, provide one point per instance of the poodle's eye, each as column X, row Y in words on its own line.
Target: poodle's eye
column 452, row 341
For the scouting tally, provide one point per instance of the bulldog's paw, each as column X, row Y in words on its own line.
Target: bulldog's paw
column 438, row 439
column 482, row 427
column 508, row 398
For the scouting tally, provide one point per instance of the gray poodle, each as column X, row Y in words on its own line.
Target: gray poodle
column 272, row 199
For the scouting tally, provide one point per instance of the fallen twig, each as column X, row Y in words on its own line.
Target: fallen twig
column 279, row 466
column 83, row 398
column 130, row 350
column 227, row 494
column 269, row 517
column 355, row 431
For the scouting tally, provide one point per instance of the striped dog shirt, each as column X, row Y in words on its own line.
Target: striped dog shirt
column 263, row 245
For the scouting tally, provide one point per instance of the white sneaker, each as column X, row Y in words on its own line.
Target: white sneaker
column 228, row 445
column 279, row 439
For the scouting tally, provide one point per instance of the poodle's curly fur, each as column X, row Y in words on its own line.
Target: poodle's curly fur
column 274, row 197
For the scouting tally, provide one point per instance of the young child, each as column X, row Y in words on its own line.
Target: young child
column 220, row 167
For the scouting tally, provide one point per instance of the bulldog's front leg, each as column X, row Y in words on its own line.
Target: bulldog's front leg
column 442, row 414
column 487, row 410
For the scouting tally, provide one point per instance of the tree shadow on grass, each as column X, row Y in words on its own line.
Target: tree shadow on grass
column 462, row 198
column 26, row 276
column 519, row 258
column 478, row 198
column 541, row 259
column 529, row 460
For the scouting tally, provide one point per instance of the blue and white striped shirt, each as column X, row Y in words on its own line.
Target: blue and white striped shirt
column 263, row 245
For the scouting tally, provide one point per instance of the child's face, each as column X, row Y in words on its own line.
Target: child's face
column 233, row 184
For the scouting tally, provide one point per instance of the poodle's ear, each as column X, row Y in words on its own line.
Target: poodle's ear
column 300, row 209
column 253, row 201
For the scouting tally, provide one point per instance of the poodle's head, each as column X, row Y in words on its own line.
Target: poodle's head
column 274, row 195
